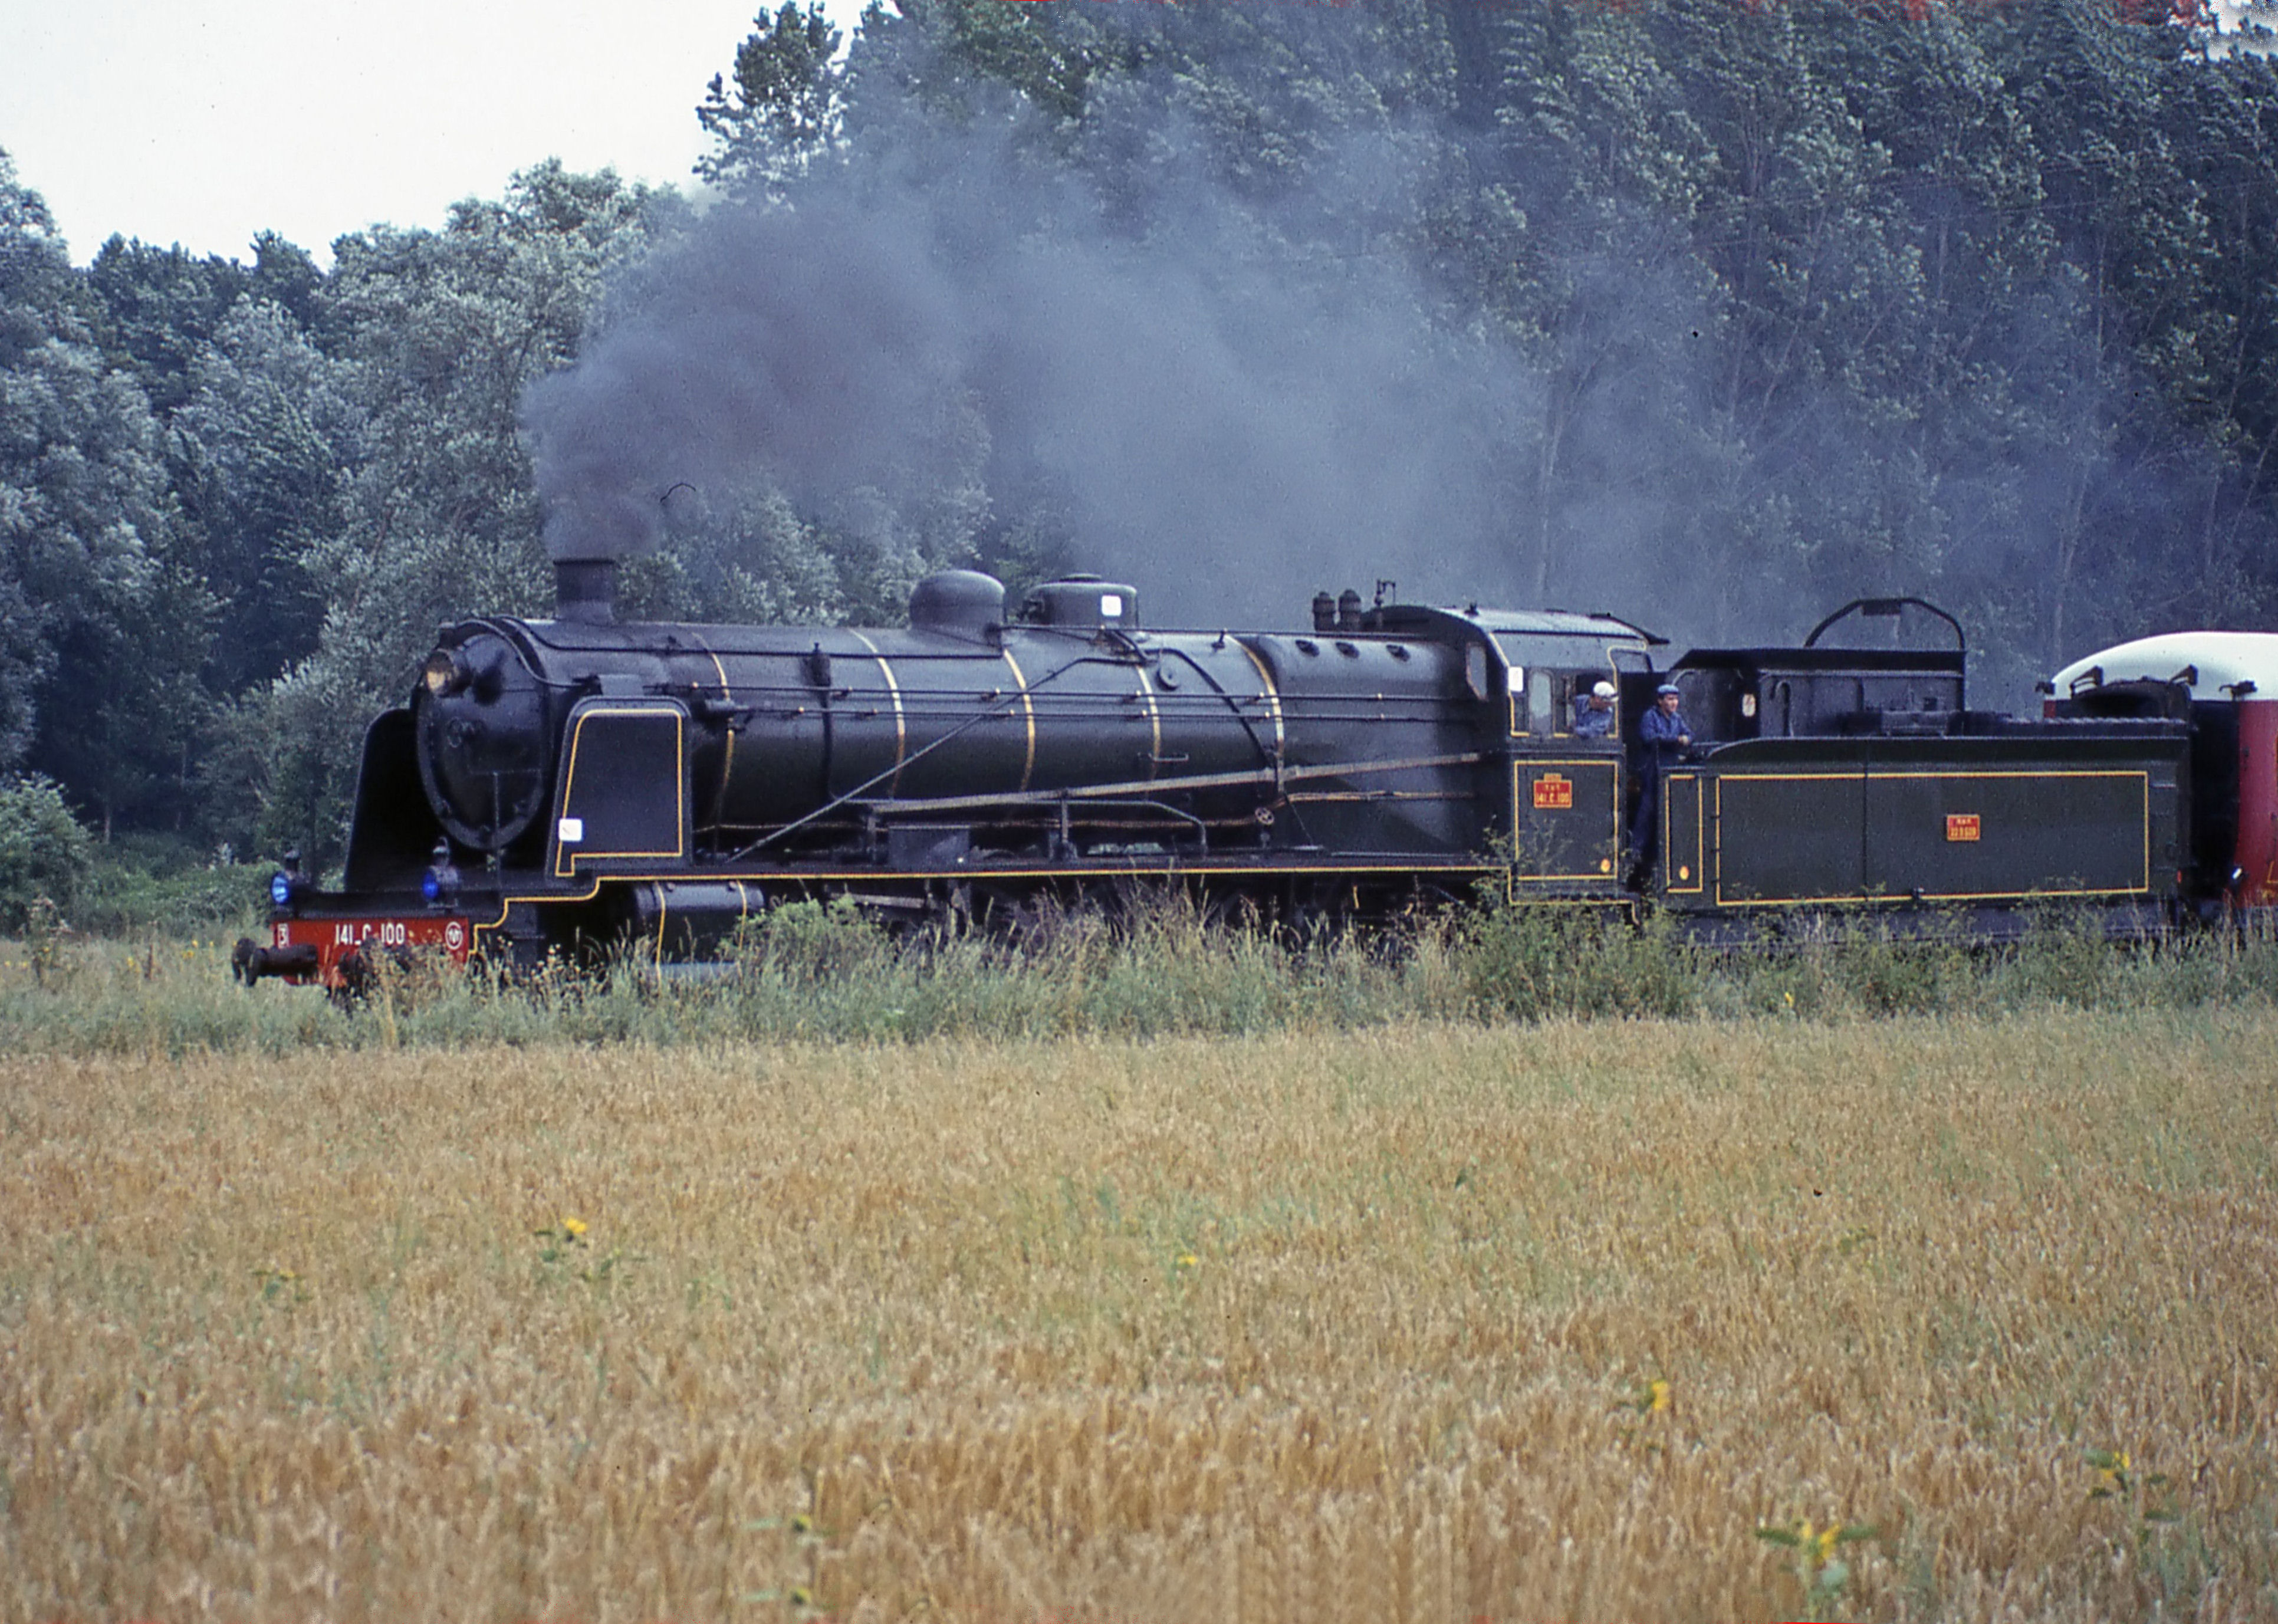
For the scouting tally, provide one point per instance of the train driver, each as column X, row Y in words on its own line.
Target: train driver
column 1663, row 732
column 1593, row 713
column 1664, row 725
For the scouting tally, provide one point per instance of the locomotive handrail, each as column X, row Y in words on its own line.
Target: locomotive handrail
column 1888, row 609
column 1205, row 780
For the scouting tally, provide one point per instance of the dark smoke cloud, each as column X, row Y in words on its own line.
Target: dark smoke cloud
column 1222, row 409
column 1233, row 391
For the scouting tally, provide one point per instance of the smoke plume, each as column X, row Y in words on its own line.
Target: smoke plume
column 1220, row 407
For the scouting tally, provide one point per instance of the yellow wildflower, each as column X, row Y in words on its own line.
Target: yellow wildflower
column 1656, row 1396
column 574, row 1227
column 1187, row 1259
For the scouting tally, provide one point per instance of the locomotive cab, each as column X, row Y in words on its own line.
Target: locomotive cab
column 1565, row 792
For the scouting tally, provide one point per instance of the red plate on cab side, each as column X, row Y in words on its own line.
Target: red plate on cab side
column 335, row 939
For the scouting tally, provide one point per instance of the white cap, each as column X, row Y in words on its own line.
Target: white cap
column 1604, row 690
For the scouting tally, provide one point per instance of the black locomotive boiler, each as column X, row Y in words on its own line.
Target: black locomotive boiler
column 584, row 782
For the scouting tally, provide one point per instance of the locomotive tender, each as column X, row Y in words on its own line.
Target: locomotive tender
column 582, row 782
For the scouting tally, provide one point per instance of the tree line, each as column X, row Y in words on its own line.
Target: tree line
column 1795, row 301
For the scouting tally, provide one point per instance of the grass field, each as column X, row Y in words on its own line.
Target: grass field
column 1431, row 1321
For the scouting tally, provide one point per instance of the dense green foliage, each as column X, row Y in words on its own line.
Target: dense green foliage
column 811, row 973
column 1768, row 305
column 45, row 855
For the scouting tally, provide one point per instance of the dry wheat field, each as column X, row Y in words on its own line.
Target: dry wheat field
column 1911, row 1319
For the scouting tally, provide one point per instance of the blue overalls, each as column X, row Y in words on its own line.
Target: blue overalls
column 1661, row 737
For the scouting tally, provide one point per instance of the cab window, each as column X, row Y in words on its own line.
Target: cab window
column 1475, row 671
column 1542, row 703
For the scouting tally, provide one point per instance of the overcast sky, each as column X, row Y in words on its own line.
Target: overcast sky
column 204, row 122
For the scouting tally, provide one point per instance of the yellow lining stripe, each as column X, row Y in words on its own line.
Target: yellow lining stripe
column 1154, row 725
column 1028, row 707
column 901, row 727
column 1273, row 694
column 728, row 763
column 1135, row 869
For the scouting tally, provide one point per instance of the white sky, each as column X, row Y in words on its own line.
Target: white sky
column 205, row 122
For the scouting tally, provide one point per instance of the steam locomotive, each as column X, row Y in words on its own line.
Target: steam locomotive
column 560, row 785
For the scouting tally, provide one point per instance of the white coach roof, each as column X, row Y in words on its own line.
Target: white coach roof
column 2217, row 660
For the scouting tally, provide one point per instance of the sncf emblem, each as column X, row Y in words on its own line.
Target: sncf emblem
column 1962, row 826
column 1554, row 792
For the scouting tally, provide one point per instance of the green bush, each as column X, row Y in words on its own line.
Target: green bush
column 1526, row 962
column 811, row 943
column 127, row 894
column 44, row 852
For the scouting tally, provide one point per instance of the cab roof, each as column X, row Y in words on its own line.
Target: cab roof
column 1519, row 623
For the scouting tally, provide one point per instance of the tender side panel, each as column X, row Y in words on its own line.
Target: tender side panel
column 1960, row 835
column 1788, row 837
column 1941, row 834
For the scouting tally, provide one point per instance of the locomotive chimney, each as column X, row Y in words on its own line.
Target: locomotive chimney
column 585, row 590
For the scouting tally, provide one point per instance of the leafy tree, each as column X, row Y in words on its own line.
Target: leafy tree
column 431, row 338
column 1572, row 244
column 262, row 452
column 102, row 627
column 783, row 107
column 44, row 852
column 160, row 307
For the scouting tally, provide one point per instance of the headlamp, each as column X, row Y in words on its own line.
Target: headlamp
column 281, row 889
column 443, row 673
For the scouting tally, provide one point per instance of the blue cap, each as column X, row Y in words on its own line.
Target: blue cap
column 1669, row 687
